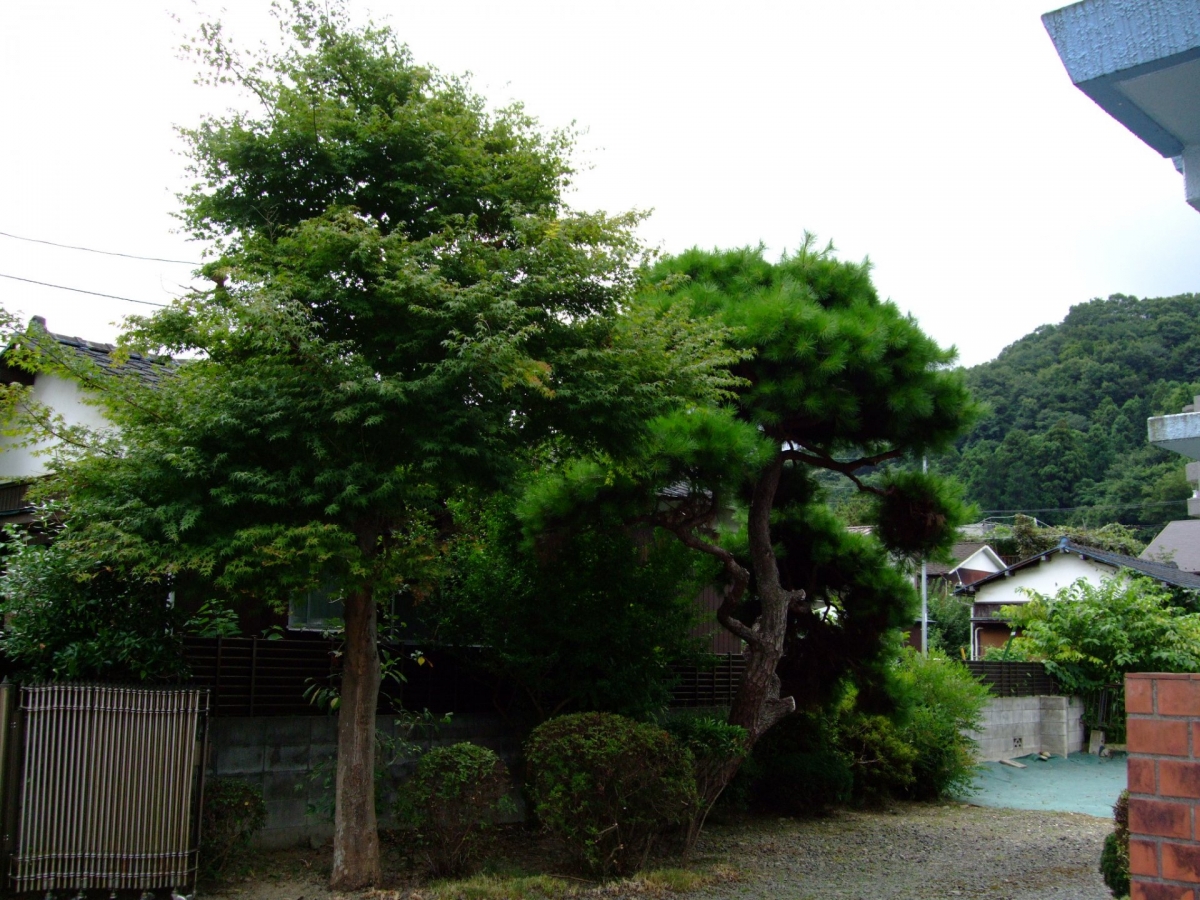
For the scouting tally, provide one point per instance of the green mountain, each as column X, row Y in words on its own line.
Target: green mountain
column 1065, row 434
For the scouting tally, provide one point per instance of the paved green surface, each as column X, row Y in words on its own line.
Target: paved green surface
column 1081, row 784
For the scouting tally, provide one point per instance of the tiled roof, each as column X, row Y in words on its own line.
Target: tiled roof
column 148, row 368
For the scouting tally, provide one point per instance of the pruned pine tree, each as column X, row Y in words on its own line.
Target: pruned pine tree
column 402, row 306
column 833, row 379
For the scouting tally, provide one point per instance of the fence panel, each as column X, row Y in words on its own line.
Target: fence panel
column 1014, row 679
column 107, row 788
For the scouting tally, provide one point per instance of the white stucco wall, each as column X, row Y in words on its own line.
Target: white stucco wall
column 1048, row 577
column 66, row 399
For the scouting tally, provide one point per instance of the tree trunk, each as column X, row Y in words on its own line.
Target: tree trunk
column 355, row 830
column 757, row 704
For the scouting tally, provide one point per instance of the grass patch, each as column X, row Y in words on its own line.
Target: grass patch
column 651, row 883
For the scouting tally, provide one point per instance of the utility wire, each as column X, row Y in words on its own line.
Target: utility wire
column 63, row 287
column 991, row 512
column 17, row 237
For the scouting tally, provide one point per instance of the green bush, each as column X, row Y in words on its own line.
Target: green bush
column 67, row 617
column 797, row 768
column 939, row 704
column 609, row 787
column 233, row 811
column 456, row 793
column 881, row 759
column 717, row 748
column 1114, row 858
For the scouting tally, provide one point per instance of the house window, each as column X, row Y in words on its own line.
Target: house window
column 317, row 610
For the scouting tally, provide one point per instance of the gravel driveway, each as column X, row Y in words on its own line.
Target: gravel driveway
column 916, row 852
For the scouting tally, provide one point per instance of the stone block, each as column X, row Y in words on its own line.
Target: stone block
column 234, row 759
column 288, row 758
column 283, row 786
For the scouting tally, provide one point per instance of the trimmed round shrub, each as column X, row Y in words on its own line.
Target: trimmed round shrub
column 609, row 787
column 1114, row 858
column 233, row 811
column 451, row 800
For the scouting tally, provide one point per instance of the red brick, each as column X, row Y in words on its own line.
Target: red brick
column 1141, row 776
column 1159, row 817
column 1176, row 779
column 1144, row 891
column 1143, row 857
column 1139, row 695
column 1179, row 698
column 1166, row 737
column 1181, row 862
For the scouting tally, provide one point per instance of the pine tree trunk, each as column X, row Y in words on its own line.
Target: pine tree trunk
column 757, row 705
column 355, row 830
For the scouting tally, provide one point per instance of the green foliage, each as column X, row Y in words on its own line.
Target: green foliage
column 881, row 760
column 918, row 750
column 717, row 748
column 1024, row 538
column 456, row 793
column 213, row 619
column 591, row 618
column 609, row 787
column 1114, row 858
column 938, row 703
column 798, row 768
column 68, row 617
column 1068, row 407
column 1089, row 636
column 233, row 812
column 949, row 621
column 912, row 514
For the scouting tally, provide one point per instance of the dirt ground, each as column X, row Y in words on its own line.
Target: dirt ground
column 909, row 852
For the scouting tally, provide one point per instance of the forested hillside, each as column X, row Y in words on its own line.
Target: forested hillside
column 1065, row 434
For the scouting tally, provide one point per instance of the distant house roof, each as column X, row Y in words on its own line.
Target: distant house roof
column 148, row 368
column 1178, row 543
column 1167, row 573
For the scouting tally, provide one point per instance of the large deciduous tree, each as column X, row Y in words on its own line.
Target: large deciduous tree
column 833, row 380
column 403, row 304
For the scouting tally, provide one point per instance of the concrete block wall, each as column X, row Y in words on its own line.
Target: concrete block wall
column 1018, row 726
column 1163, row 741
column 278, row 753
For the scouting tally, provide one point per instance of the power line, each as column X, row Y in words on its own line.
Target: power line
column 1079, row 508
column 63, row 287
column 17, row 237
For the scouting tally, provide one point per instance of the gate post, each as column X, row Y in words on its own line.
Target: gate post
column 10, row 774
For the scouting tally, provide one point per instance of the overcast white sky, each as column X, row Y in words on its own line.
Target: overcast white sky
column 944, row 140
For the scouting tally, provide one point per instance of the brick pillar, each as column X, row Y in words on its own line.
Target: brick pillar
column 1164, row 785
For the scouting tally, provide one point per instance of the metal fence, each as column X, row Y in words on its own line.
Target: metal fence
column 261, row 677
column 1014, row 679
column 107, row 780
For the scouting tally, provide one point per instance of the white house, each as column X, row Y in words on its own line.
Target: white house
column 21, row 465
column 1047, row 573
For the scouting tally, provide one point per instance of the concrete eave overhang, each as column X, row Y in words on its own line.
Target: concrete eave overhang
column 1180, row 433
column 1139, row 60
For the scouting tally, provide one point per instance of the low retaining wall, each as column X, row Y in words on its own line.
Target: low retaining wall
column 1018, row 726
column 279, row 753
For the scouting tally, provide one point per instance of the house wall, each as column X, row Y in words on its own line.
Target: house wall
column 289, row 758
column 1058, row 571
column 1019, row 726
column 1163, row 737
column 64, row 397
